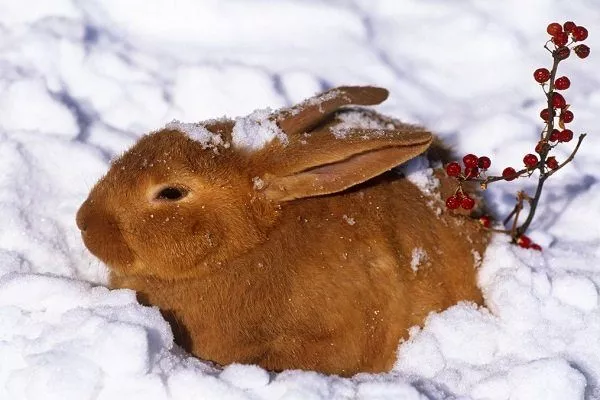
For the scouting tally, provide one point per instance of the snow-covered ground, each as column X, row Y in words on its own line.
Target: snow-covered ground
column 81, row 80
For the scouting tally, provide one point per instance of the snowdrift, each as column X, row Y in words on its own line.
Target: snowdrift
column 80, row 81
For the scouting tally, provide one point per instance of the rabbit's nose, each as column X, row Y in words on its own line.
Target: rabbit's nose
column 82, row 216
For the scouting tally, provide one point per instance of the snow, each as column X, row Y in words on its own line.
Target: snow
column 531, row 382
column 320, row 99
column 198, row 132
column 418, row 257
column 67, row 338
column 255, row 130
column 356, row 119
column 258, row 183
column 81, row 81
column 313, row 101
column 576, row 291
column 348, row 220
column 420, row 173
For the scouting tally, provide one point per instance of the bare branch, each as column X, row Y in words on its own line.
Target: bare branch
column 570, row 158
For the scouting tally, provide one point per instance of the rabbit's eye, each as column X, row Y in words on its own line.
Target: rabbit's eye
column 171, row 194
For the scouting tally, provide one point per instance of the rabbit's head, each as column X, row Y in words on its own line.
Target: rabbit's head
column 174, row 207
column 168, row 206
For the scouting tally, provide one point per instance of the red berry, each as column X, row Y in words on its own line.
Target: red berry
column 484, row 162
column 452, row 202
column 535, row 246
column 562, row 52
column 558, row 101
column 509, row 173
column 530, row 160
column 453, row 169
column 579, row 33
column 524, row 241
column 467, row 203
column 542, row 147
column 551, row 162
column 485, row 221
column 541, row 75
column 554, row 135
column 554, row 29
column 561, row 39
column 582, row 50
column 565, row 135
column 568, row 26
column 471, row 172
column 470, row 160
column 545, row 114
column 567, row 116
column 562, row 83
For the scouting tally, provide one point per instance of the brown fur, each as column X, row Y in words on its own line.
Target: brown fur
column 276, row 275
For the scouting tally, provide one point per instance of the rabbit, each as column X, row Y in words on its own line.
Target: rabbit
column 296, row 255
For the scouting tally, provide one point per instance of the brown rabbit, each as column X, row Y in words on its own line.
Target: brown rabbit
column 300, row 254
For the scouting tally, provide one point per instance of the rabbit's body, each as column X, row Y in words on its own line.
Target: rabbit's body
column 337, row 305
column 267, row 274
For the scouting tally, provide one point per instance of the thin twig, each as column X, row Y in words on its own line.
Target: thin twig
column 499, row 230
column 491, row 179
column 518, row 208
column 541, row 165
column 543, row 148
column 514, row 210
column 570, row 158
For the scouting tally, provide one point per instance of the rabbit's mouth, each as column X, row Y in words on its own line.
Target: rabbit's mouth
column 110, row 248
column 103, row 238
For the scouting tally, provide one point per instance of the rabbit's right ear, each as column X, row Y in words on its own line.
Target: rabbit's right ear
column 326, row 163
column 311, row 112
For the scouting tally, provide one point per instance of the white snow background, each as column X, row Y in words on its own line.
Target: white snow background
column 80, row 80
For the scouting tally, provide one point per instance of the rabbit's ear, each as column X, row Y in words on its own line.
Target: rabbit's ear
column 308, row 114
column 324, row 164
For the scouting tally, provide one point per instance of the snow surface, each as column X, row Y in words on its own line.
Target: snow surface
column 81, row 81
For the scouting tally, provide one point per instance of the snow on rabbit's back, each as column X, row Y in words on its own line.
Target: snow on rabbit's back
column 282, row 239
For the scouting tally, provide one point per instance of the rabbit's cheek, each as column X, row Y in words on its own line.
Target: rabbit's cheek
column 204, row 231
column 207, row 237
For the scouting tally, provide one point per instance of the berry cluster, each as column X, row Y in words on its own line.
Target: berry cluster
column 475, row 168
column 560, row 37
column 564, row 38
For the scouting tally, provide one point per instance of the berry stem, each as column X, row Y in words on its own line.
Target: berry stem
column 541, row 165
column 521, row 195
column 550, row 121
column 476, row 167
column 505, row 231
column 509, row 216
column 491, row 179
column 518, row 208
column 571, row 156
column 533, row 206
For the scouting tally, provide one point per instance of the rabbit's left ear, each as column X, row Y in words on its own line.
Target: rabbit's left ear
column 327, row 163
column 311, row 112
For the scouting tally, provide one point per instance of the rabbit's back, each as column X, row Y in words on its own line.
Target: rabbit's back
column 372, row 263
